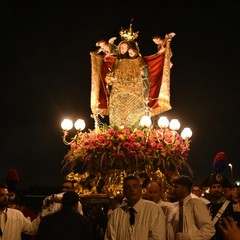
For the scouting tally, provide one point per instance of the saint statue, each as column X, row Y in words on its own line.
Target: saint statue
column 126, row 85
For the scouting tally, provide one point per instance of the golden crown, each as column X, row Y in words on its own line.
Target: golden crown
column 128, row 34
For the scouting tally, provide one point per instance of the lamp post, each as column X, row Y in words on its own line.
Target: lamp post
column 67, row 125
column 231, row 170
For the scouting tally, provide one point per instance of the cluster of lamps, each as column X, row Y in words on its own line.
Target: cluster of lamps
column 163, row 123
column 67, row 125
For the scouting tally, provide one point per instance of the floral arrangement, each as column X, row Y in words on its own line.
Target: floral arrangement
column 115, row 148
column 104, row 149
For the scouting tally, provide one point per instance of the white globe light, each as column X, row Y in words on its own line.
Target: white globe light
column 186, row 133
column 174, row 124
column 67, row 124
column 163, row 122
column 80, row 124
column 145, row 121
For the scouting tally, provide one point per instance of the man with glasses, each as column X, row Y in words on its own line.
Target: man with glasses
column 197, row 193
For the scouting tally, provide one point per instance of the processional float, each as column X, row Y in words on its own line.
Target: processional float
column 132, row 91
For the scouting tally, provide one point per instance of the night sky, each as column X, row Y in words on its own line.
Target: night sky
column 46, row 76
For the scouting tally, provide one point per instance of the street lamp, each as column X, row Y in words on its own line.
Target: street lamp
column 67, row 125
column 231, row 169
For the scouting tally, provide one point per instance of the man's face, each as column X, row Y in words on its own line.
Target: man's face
column 216, row 191
column 153, row 192
column 235, row 192
column 4, row 198
column 132, row 190
column 67, row 186
column 196, row 190
column 179, row 191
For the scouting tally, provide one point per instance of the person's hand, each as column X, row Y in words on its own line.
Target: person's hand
column 229, row 229
column 183, row 236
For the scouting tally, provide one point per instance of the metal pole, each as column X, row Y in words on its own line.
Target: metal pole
column 231, row 169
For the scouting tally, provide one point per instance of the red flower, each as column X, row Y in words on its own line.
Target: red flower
column 114, row 148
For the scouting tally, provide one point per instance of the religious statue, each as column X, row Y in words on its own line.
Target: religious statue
column 126, row 85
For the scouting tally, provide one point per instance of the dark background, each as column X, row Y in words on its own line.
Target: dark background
column 46, row 76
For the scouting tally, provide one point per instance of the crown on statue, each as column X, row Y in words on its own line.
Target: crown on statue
column 128, row 34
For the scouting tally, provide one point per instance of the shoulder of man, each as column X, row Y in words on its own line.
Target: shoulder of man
column 14, row 212
column 152, row 206
column 198, row 201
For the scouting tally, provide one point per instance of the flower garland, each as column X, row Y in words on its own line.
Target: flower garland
column 108, row 148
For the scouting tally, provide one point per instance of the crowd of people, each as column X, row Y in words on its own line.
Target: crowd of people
column 193, row 214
